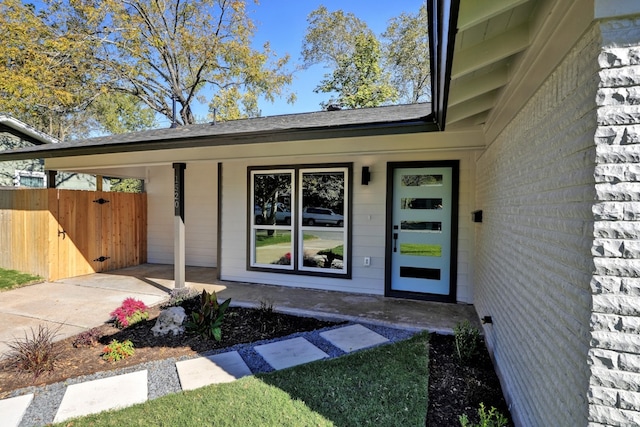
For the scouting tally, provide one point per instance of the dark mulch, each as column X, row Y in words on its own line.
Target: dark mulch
column 456, row 389
column 241, row 325
column 453, row 389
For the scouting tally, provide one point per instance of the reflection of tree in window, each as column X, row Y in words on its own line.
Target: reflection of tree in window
column 421, row 180
column 267, row 191
column 323, row 189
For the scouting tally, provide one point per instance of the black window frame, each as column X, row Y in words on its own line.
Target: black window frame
column 297, row 226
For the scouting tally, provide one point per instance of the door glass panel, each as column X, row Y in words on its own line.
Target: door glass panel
column 421, row 180
column 418, row 249
column 416, row 203
column 420, row 273
column 431, row 226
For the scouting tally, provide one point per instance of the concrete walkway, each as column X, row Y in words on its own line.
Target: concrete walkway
column 79, row 303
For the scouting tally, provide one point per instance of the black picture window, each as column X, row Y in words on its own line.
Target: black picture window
column 300, row 219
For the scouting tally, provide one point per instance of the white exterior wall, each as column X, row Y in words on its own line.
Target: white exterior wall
column 535, row 184
column 201, row 198
column 369, row 221
column 614, row 389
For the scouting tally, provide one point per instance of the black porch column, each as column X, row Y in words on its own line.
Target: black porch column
column 179, row 231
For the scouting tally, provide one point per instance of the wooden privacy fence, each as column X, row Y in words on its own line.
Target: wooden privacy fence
column 64, row 233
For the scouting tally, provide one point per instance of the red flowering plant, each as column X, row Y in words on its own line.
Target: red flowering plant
column 130, row 312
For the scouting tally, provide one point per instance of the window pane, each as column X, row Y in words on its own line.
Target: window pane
column 31, row 181
column 273, row 247
column 323, row 249
column 323, row 198
column 269, row 191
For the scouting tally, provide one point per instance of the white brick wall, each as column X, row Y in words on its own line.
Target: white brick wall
column 614, row 389
column 535, row 184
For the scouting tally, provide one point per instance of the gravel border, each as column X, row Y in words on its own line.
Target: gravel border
column 163, row 375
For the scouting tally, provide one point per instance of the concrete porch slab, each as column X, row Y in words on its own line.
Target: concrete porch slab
column 13, row 409
column 100, row 395
column 288, row 353
column 219, row 368
column 352, row 338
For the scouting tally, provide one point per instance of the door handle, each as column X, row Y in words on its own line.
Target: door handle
column 395, row 242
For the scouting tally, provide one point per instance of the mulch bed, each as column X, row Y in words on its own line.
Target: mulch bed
column 453, row 389
column 456, row 389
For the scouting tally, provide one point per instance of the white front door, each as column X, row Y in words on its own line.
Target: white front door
column 423, row 230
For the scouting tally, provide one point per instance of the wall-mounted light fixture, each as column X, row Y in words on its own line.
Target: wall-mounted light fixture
column 366, row 175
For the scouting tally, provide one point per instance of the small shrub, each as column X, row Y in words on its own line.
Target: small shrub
column 467, row 341
column 36, row 354
column 129, row 313
column 491, row 418
column 116, row 350
column 87, row 338
column 206, row 320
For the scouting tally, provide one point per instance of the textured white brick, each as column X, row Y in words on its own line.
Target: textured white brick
column 616, row 341
column 605, row 359
column 616, row 304
column 618, row 135
column 617, row 230
column 609, row 416
column 629, row 362
column 615, row 379
column 625, row 76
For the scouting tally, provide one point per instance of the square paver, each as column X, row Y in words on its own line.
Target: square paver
column 353, row 337
column 291, row 352
column 219, row 368
column 100, row 395
column 13, row 409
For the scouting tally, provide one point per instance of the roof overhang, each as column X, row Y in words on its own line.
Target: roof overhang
column 23, row 130
column 297, row 127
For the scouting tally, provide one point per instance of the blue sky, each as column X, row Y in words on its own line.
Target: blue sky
column 284, row 22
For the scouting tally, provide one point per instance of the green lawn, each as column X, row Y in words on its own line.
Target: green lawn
column 418, row 249
column 263, row 238
column 10, row 279
column 384, row 386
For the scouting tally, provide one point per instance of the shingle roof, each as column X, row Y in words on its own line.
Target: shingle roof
column 323, row 124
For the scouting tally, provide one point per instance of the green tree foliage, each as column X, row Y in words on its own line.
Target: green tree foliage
column 48, row 79
column 364, row 74
column 44, row 78
column 346, row 45
column 359, row 79
column 157, row 51
column 406, row 56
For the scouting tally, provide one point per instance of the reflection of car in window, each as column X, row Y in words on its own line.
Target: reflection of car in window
column 321, row 216
column 283, row 215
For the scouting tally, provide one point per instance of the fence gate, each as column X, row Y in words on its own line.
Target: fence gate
column 72, row 232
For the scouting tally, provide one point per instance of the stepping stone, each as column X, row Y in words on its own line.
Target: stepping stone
column 13, row 409
column 291, row 352
column 352, row 338
column 219, row 368
column 100, row 395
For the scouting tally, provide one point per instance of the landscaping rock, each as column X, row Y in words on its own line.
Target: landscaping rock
column 170, row 320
